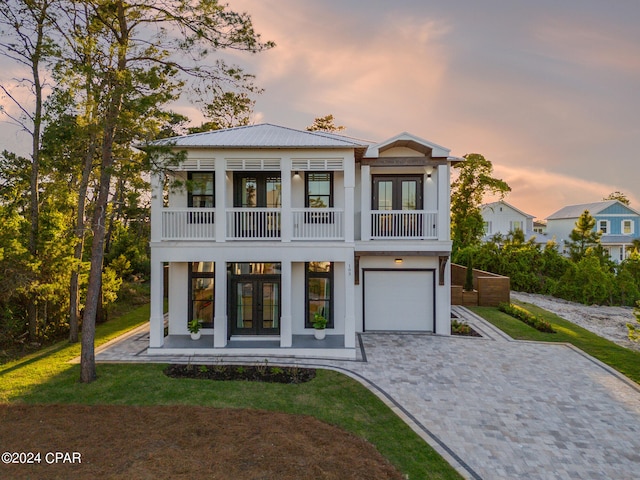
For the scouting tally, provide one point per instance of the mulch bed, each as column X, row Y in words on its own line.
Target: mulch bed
column 182, row 442
column 252, row 373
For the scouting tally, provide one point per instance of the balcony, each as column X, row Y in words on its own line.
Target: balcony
column 253, row 224
column 188, row 223
column 404, row 225
column 305, row 224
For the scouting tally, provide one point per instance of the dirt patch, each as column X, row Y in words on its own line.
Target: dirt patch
column 182, row 442
column 607, row 322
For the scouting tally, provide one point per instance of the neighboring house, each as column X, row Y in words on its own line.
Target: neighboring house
column 618, row 223
column 539, row 227
column 501, row 218
column 276, row 224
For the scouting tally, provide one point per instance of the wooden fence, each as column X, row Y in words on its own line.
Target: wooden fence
column 489, row 289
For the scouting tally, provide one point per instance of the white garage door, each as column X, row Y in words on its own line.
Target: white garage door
column 398, row 300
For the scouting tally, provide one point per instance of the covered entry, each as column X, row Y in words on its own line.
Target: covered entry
column 399, row 300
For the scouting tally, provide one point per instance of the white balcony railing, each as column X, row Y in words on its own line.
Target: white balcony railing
column 188, row 223
column 253, row 223
column 404, row 224
column 318, row 224
column 307, row 224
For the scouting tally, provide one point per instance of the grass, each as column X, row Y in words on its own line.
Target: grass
column 48, row 378
column 622, row 359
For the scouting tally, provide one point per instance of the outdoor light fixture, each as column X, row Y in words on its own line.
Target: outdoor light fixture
column 296, row 173
column 398, row 260
column 428, row 171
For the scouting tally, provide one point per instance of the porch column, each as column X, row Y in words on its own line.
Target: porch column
column 156, row 317
column 220, row 193
column 220, row 314
column 349, row 306
column 286, row 327
column 157, row 204
column 444, row 203
column 286, row 220
column 365, row 202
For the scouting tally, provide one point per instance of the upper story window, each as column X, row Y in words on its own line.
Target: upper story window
column 627, row 227
column 603, row 226
column 515, row 225
column 487, row 228
column 397, row 192
column 257, row 189
column 318, row 189
column 201, row 188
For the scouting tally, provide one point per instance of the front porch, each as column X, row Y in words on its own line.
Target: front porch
column 305, row 346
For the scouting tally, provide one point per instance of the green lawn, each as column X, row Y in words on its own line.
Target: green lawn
column 47, row 377
column 622, row 359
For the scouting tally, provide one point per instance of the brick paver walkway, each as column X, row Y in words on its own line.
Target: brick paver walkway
column 494, row 407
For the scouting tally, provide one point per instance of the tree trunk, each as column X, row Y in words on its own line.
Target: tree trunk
column 79, row 247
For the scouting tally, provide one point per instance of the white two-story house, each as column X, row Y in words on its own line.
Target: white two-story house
column 272, row 225
column 502, row 218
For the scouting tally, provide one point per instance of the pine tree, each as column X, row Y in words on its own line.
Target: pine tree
column 583, row 236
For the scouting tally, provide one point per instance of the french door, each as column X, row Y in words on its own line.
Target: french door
column 255, row 306
column 401, row 196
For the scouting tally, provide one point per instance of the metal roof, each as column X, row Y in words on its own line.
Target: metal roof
column 574, row 211
column 263, row 135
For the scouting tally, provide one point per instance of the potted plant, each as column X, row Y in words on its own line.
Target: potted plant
column 194, row 328
column 319, row 324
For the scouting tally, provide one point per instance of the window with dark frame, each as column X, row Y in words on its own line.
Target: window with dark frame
column 202, row 292
column 319, row 292
column 318, row 193
column 201, row 194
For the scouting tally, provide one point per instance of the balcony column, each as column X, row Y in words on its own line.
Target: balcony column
column 365, row 207
column 157, row 204
column 286, row 218
column 220, row 315
column 349, row 200
column 286, row 327
column 444, row 203
column 220, row 192
column 156, row 316
column 349, row 306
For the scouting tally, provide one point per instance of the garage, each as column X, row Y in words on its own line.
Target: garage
column 399, row 300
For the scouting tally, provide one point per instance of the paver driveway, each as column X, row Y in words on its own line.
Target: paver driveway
column 494, row 407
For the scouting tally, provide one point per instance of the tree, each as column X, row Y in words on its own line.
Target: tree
column 139, row 63
column 325, row 124
column 583, row 236
column 25, row 32
column 475, row 180
column 621, row 197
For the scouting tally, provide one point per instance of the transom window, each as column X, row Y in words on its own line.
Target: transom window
column 319, row 189
column 201, row 292
column 319, row 292
column 201, row 188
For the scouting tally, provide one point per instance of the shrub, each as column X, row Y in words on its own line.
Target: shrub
column 527, row 317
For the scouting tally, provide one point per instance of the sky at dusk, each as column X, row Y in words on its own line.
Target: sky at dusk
column 548, row 91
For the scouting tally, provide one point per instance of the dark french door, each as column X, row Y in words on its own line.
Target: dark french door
column 254, row 304
column 402, row 195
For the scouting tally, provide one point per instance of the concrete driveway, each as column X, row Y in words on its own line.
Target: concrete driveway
column 495, row 408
